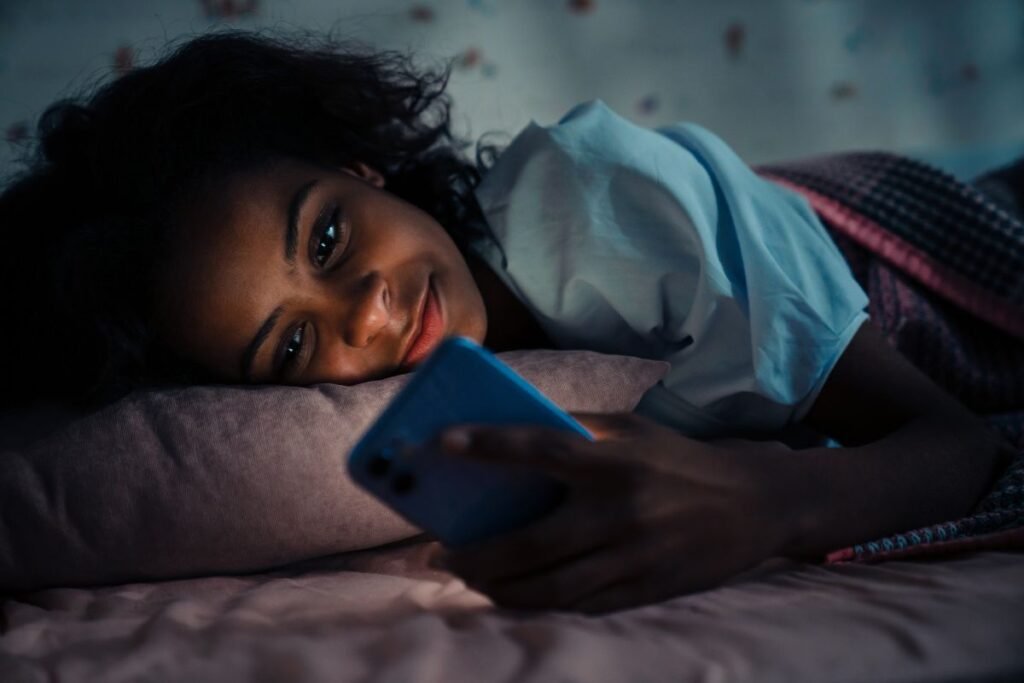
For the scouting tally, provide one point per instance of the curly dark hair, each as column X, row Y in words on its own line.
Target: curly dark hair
column 82, row 227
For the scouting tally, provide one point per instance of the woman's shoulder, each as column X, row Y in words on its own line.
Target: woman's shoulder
column 593, row 131
column 592, row 141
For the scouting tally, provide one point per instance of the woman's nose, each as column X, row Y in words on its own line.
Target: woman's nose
column 369, row 313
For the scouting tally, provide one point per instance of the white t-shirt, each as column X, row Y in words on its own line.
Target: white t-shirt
column 664, row 244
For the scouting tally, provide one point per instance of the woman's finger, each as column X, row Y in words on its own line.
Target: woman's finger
column 562, row 585
column 615, row 596
column 568, row 531
column 555, row 451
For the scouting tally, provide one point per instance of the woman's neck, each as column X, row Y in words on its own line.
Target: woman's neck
column 510, row 325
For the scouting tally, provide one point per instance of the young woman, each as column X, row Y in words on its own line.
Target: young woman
column 250, row 211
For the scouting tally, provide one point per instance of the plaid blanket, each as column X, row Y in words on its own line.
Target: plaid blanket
column 943, row 267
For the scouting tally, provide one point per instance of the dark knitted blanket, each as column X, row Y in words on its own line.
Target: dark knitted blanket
column 943, row 267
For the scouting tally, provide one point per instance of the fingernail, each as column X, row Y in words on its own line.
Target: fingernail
column 455, row 441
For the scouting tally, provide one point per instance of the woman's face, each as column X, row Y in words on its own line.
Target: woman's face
column 298, row 274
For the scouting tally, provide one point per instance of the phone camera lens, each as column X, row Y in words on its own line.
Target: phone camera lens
column 403, row 482
column 378, row 465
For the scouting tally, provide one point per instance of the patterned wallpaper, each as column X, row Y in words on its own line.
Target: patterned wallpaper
column 776, row 78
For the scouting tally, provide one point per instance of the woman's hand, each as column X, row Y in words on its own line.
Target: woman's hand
column 649, row 514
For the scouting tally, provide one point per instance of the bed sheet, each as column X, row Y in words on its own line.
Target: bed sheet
column 383, row 615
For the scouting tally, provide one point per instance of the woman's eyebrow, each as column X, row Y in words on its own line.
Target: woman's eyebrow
column 257, row 341
column 291, row 227
column 291, row 242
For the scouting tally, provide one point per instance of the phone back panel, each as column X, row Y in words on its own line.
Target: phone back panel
column 456, row 499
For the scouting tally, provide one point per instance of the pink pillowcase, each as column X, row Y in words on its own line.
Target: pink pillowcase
column 227, row 479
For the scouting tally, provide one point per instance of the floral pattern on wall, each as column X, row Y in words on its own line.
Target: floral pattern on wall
column 776, row 79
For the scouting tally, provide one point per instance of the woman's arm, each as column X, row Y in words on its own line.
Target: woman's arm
column 914, row 455
column 651, row 514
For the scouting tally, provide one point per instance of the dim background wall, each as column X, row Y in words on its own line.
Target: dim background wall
column 776, row 78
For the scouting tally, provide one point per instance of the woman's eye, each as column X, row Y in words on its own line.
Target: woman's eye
column 327, row 241
column 293, row 347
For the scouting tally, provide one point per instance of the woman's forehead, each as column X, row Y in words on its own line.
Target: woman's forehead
column 240, row 201
column 222, row 266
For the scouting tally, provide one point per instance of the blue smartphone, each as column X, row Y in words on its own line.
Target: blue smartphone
column 457, row 500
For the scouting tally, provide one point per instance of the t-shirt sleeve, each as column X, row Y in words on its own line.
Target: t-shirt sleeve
column 798, row 303
column 664, row 244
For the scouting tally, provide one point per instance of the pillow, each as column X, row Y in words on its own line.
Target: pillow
column 216, row 479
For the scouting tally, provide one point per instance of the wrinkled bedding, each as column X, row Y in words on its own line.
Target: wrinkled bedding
column 383, row 615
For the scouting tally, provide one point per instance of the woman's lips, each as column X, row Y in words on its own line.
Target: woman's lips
column 431, row 329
